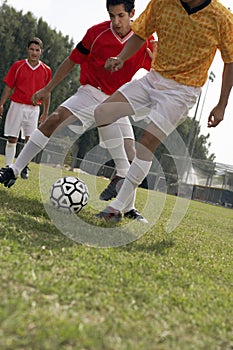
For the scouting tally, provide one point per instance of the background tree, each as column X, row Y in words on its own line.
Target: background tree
column 16, row 29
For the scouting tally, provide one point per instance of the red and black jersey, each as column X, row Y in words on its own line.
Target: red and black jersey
column 99, row 43
column 25, row 80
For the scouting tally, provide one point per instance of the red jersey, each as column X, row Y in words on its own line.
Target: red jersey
column 99, row 43
column 26, row 80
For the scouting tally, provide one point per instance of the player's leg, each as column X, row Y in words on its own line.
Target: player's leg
column 10, row 149
column 138, row 170
column 29, row 124
column 117, row 107
column 11, row 130
column 36, row 143
column 122, row 166
column 112, row 109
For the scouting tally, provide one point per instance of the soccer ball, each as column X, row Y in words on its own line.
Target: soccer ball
column 69, row 194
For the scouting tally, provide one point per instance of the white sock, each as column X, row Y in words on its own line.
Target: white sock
column 131, row 203
column 114, row 142
column 10, row 152
column 35, row 144
column 126, row 196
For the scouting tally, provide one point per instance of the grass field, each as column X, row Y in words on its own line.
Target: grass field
column 162, row 292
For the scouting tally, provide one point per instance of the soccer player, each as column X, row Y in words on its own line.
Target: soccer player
column 189, row 33
column 100, row 41
column 23, row 79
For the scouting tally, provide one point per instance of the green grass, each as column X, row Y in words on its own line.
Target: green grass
column 161, row 292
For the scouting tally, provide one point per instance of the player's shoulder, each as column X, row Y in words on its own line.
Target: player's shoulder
column 100, row 27
column 221, row 12
column 19, row 63
column 44, row 65
column 217, row 5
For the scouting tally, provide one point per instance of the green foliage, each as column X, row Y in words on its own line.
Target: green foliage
column 162, row 292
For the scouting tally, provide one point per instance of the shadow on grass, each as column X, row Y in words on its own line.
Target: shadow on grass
column 155, row 248
column 26, row 220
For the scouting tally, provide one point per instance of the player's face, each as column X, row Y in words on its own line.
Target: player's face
column 34, row 52
column 120, row 19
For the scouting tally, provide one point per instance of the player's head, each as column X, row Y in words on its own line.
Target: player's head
column 35, row 41
column 34, row 50
column 128, row 4
column 120, row 13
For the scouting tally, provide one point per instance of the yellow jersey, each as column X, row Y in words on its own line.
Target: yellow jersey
column 187, row 39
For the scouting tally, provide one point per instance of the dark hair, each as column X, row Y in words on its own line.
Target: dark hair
column 129, row 4
column 36, row 41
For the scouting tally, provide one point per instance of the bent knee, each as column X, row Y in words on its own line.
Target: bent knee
column 54, row 120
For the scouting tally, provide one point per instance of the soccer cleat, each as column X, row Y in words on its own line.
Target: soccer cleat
column 135, row 215
column 110, row 214
column 112, row 189
column 7, row 177
column 25, row 173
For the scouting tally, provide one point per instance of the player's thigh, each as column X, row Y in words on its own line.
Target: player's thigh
column 14, row 120
column 82, row 105
column 113, row 108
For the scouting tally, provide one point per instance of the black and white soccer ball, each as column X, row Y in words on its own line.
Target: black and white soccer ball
column 69, row 194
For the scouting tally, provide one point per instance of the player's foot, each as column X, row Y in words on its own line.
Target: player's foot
column 7, row 177
column 135, row 215
column 25, row 173
column 110, row 214
column 112, row 189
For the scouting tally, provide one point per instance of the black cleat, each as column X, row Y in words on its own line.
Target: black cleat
column 135, row 215
column 7, row 177
column 112, row 189
column 110, row 214
column 25, row 173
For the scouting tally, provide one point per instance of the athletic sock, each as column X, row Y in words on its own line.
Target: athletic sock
column 131, row 203
column 126, row 196
column 10, row 151
column 112, row 137
column 35, row 144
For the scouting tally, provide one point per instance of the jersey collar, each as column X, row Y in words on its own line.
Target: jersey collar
column 118, row 37
column 195, row 9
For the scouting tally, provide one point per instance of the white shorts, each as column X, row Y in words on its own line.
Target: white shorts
column 21, row 117
column 83, row 103
column 163, row 101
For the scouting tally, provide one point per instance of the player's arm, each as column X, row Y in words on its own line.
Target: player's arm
column 217, row 114
column 62, row 71
column 132, row 46
column 7, row 91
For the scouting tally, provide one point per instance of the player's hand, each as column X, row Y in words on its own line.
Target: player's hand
column 42, row 118
column 215, row 117
column 153, row 53
column 40, row 95
column 113, row 64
